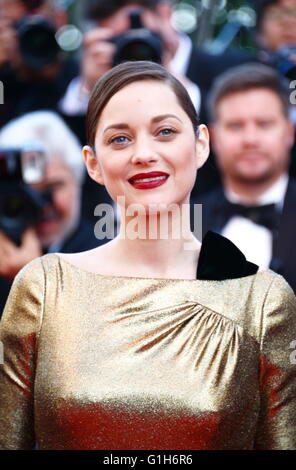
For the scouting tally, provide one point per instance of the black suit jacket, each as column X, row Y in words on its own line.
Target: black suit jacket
column 284, row 243
column 203, row 67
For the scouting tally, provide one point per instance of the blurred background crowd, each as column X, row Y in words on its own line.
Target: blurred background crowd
column 236, row 58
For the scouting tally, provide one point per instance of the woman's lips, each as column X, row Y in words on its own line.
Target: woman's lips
column 148, row 180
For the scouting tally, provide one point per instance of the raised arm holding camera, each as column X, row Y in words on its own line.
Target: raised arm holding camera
column 130, row 30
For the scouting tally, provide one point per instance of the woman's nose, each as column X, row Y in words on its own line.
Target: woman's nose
column 143, row 152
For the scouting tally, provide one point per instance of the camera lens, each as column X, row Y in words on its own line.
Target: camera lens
column 38, row 45
column 139, row 50
column 138, row 43
column 13, row 207
column 20, row 204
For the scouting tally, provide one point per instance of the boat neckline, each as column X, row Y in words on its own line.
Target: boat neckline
column 61, row 259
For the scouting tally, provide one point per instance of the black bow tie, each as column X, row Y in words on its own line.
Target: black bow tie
column 266, row 215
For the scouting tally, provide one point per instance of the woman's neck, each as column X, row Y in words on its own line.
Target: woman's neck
column 156, row 246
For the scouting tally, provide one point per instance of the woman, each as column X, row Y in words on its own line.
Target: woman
column 148, row 342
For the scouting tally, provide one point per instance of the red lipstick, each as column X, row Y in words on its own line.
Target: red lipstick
column 149, row 180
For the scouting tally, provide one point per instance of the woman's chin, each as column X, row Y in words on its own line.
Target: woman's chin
column 152, row 204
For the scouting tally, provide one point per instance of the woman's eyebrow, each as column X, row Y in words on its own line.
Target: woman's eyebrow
column 122, row 125
column 164, row 116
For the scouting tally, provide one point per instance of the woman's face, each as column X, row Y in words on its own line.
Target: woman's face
column 143, row 132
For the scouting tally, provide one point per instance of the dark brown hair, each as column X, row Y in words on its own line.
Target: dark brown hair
column 121, row 76
column 244, row 78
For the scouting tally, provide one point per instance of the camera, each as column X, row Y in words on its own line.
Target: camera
column 138, row 43
column 20, row 204
column 37, row 43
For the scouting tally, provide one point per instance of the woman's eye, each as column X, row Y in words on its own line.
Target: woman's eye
column 121, row 139
column 166, row 132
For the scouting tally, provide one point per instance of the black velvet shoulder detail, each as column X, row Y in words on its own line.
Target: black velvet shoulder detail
column 220, row 259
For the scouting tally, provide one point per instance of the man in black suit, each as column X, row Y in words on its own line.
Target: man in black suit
column 252, row 136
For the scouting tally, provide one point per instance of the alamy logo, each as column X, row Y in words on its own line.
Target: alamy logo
column 165, row 227
column 293, row 93
column 1, row 93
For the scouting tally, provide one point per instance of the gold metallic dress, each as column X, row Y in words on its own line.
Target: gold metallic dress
column 106, row 362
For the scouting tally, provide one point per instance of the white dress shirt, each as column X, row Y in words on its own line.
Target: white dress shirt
column 179, row 65
column 254, row 240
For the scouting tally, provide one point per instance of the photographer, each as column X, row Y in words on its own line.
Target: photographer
column 58, row 227
column 33, row 70
column 276, row 31
column 100, row 48
column 275, row 37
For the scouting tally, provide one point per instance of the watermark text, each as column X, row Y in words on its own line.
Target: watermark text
column 152, row 222
column 293, row 93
